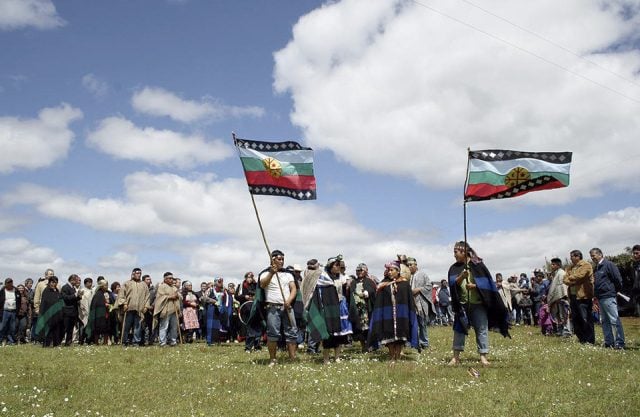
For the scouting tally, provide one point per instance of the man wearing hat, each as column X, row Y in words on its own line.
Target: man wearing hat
column 279, row 295
column 9, row 302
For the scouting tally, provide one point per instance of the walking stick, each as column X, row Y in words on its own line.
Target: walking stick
column 178, row 320
column 124, row 320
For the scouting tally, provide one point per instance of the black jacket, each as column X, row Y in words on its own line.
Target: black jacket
column 3, row 297
column 71, row 300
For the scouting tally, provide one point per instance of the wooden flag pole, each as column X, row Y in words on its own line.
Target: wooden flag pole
column 464, row 204
column 292, row 318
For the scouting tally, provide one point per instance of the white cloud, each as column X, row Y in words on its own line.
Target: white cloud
column 36, row 143
column 395, row 88
column 21, row 259
column 40, row 14
column 96, row 86
column 10, row 222
column 120, row 138
column 163, row 204
column 118, row 260
column 513, row 251
column 157, row 101
column 219, row 214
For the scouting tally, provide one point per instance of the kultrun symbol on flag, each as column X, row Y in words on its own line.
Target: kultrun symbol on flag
column 502, row 173
column 516, row 176
column 283, row 169
column 273, row 166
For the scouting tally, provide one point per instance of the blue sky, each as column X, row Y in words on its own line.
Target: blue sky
column 116, row 121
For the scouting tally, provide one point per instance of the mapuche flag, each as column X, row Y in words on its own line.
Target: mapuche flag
column 278, row 168
column 495, row 173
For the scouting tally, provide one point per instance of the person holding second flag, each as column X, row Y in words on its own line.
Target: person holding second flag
column 476, row 302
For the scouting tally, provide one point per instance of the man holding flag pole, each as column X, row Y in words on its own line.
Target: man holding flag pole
column 494, row 174
column 277, row 169
column 280, row 294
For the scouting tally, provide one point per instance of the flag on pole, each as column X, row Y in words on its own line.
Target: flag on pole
column 495, row 173
column 278, row 168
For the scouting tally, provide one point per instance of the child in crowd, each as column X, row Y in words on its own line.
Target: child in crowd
column 544, row 317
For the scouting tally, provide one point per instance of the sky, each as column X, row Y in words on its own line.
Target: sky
column 116, row 123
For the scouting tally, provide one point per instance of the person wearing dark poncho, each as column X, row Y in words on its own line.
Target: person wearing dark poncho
column 394, row 321
column 361, row 295
column 328, row 311
column 476, row 302
column 98, row 322
column 50, row 322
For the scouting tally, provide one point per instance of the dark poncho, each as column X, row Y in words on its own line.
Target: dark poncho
column 354, row 316
column 391, row 323
column 218, row 316
column 50, row 312
column 98, row 321
column 323, row 318
column 496, row 311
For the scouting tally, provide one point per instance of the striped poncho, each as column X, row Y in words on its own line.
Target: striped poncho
column 497, row 314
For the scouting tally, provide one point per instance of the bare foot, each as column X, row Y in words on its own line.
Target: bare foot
column 484, row 361
column 454, row 362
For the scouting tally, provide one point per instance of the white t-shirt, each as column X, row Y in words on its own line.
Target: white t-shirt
column 272, row 291
column 9, row 300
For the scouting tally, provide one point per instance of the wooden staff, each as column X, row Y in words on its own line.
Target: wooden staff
column 124, row 320
column 177, row 310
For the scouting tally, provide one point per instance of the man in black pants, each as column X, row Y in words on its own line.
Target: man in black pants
column 71, row 296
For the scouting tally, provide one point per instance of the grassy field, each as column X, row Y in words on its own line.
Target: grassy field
column 530, row 375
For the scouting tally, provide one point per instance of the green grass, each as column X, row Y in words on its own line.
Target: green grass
column 530, row 375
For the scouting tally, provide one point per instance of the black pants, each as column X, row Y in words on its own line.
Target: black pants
column 54, row 337
column 69, row 325
column 582, row 319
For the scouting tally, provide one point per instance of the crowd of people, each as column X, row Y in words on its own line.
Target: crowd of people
column 321, row 308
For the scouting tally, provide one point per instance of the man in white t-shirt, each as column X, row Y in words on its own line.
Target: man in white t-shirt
column 280, row 294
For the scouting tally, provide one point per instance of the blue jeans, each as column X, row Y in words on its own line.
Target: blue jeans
column 480, row 323
column 8, row 326
column 132, row 319
column 423, row 333
column 278, row 323
column 609, row 316
column 168, row 330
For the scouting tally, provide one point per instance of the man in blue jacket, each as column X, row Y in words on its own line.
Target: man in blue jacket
column 607, row 283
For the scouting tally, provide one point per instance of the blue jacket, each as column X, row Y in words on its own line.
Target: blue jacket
column 608, row 280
